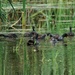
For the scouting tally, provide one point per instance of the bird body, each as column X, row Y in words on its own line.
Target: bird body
column 30, row 43
column 9, row 35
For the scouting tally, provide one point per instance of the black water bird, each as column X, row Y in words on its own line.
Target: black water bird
column 33, row 43
column 31, row 34
column 42, row 37
column 30, row 43
column 2, row 35
column 33, row 37
column 48, row 34
column 11, row 35
column 65, row 35
column 61, row 39
column 55, row 38
column 70, row 34
column 53, row 41
column 8, row 37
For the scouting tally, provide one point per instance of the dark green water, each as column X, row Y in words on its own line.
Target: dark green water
column 18, row 59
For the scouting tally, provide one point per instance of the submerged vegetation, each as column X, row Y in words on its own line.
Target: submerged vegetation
column 18, row 58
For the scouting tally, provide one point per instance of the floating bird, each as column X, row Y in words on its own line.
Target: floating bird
column 33, row 37
column 11, row 35
column 30, row 43
column 55, row 38
column 53, row 41
column 2, row 35
column 33, row 43
column 41, row 37
column 31, row 34
column 70, row 34
column 65, row 35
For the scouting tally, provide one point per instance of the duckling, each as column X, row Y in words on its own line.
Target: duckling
column 36, row 40
column 2, row 35
column 69, row 34
column 34, row 33
column 11, row 35
column 53, row 41
column 55, row 38
column 42, row 37
column 65, row 35
column 33, row 41
column 30, row 43
column 48, row 34
column 34, row 44
column 60, row 38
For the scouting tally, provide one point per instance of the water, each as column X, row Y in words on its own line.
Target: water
column 18, row 59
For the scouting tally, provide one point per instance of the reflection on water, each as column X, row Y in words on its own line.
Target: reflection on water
column 13, row 61
column 34, row 59
column 16, row 58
